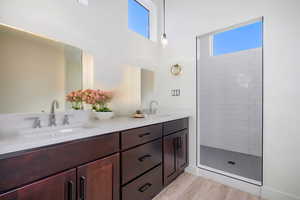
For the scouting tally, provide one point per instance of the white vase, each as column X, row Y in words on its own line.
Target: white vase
column 104, row 115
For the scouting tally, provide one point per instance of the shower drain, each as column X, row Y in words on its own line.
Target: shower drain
column 230, row 162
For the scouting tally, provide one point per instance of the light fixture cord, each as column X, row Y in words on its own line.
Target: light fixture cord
column 164, row 8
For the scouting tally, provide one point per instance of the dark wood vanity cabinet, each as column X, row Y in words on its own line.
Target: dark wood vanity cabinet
column 140, row 159
column 127, row 165
column 145, row 187
column 95, row 180
column 137, row 136
column 141, row 162
column 182, row 150
column 30, row 168
column 99, row 179
column 175, row 153
column 59, row 187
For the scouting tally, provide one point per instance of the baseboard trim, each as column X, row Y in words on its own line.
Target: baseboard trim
column 265, row 192
column 247, row 187
column 273, row 194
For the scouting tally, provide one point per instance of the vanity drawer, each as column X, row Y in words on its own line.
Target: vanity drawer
column 175, row 126
column 142, row 135
column 140, row 159
column 144, row 188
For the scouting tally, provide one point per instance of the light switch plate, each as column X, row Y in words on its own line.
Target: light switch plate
column 175, row 92
column 84, row 2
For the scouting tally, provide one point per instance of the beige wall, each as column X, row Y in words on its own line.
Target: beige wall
column 32, row 73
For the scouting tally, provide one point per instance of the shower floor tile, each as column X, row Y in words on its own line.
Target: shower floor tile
column 240, row 164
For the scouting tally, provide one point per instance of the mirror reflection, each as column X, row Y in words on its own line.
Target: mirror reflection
column 35, row 71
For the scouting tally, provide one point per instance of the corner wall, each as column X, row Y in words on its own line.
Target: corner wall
column 186, row 20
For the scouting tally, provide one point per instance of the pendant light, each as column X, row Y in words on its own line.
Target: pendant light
column 164, row 40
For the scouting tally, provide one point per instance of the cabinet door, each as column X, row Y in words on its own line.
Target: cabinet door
column 170, row 164
column 99, row 180
column 58, row 187
column 182, row 151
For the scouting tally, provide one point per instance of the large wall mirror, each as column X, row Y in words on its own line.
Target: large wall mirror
column 36, row 70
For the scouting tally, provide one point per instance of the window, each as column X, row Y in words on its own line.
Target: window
column 138, row 18
column 238, row 39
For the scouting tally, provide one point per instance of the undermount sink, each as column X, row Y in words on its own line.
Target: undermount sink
column 46, row 133
column 29, row 138
column 54, row 132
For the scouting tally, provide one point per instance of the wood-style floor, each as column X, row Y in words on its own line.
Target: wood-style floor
column 190, row 187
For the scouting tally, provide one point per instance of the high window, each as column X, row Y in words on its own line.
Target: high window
column 238, row 39
column 139, row 18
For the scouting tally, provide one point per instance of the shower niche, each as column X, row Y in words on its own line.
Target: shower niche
column 230, row 101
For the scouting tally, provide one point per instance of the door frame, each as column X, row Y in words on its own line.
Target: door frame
column 216, row 171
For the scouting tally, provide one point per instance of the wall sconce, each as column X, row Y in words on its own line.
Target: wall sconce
column 176, row 70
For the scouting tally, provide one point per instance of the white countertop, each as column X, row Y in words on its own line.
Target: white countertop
column 95, row 128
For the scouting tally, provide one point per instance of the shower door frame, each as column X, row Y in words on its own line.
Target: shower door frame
column 213, row 170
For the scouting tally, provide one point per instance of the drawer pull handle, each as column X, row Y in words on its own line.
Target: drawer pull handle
column 82, row 188
column 145, row 187
column 141, row 159
column 179, row 142
column 144, row 134
column 71, row 190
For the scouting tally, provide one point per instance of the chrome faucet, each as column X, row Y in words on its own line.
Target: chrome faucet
column 66, row 120
column 151, row 110
column 52, row 116
column 36, row 122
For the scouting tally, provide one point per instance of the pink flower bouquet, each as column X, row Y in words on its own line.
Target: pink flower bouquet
column 75, row 98
column 98, row 99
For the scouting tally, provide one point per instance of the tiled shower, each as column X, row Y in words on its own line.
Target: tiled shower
column 230, row 101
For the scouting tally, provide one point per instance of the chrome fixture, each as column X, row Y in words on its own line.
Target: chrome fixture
column 52, row 117
column 36, row 122
column 164, row 40
column 151, row 110
column 66, row 120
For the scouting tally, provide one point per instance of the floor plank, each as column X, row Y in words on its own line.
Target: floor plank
column 190, row 187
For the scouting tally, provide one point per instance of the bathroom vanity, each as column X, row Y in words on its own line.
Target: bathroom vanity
column 127, row 164
column 54, row 155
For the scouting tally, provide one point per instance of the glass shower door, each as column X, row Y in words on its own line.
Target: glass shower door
column 229, row 99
